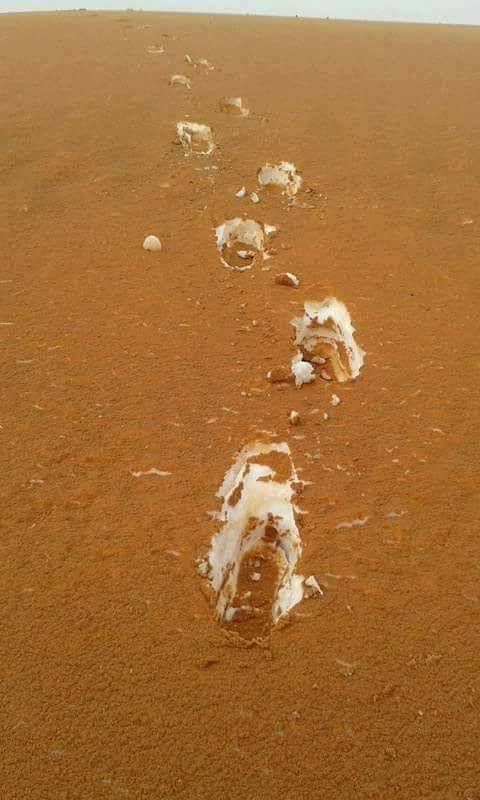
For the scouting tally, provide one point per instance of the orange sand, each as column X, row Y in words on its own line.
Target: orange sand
column 117, row 681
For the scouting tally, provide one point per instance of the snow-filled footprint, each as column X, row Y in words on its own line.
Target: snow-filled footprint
column 251, row 564
column 195, row 138
column 324, row 336
column 241, row 242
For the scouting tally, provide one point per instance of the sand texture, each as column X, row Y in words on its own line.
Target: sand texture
column 131, row 378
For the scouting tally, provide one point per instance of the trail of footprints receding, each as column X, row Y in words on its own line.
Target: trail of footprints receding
column 251, row 564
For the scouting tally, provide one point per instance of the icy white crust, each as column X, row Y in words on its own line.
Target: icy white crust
column 302, row 371
column 283, row 176
column 195, row 138
column 180, row 80
column 243, row 236
column 255, row 507
column 324, row 335
column 234, row 105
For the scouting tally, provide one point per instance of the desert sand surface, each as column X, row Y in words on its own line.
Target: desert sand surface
column 117, row 679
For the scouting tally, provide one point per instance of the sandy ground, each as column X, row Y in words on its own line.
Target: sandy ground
column 117, row 681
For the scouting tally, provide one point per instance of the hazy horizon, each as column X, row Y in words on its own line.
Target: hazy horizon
column 466, row 12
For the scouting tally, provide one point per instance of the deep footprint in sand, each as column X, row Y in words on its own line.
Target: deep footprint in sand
column 251, row 564
column 241, row 242
column 324, row 336
column 195, row 138
column 282, row 178
column 234, row 106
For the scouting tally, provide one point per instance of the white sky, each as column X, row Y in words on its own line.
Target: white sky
column 455, row 11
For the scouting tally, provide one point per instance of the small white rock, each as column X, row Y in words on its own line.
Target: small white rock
column 152, row 243
column 254, row 197
column 241, row 192
column 335, row 400
column 294, row 418
column 255, row 576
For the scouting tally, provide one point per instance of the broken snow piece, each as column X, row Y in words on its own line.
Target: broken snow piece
column 335, row 400
column 254, row 197
column 325, row 335
column 282, row 177
column 294, row 418
column 241, row 192
column 180, row 80
column 152, row 243
column 302, row 371
column 240, row 242
column 195, row 138
column 269, row 229
column 287, row 279
column 259, row 540
column 234, row 105
column 313, row 585
column 278, row 375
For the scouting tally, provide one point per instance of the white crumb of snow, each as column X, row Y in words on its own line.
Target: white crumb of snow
column 355, row 523
column 152, row 471
column 302, row 371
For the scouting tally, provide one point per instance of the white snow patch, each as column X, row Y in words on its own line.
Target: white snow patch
column 243, row 237
column 325, row 331
column 302, row 371
column 282, row 176
column 152, row 471
column 195, row 138
column 256, row 508
column 180, row 80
